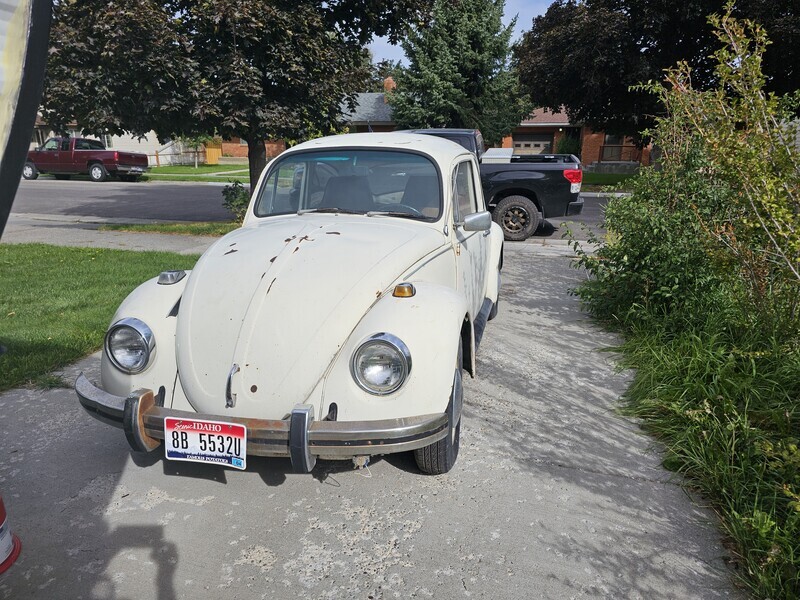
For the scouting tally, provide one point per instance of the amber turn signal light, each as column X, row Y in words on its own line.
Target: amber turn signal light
column 404, row 290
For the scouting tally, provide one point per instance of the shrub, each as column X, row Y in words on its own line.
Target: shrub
column 700, row 270
column 236, row 199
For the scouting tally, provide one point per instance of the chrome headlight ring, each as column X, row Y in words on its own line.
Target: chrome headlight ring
column 130, row 345
column 381, row 364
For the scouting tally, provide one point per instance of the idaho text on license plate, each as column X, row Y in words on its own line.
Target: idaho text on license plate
column 215, row 442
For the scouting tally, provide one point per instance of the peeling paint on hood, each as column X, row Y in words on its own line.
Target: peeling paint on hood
column 279, row 298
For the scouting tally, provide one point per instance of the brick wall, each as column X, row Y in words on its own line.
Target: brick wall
column 591, row 144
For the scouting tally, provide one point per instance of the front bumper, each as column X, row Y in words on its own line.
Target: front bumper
column 575, row 208
column 299, row 436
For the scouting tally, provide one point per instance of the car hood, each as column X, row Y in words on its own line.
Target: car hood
column 278, row 299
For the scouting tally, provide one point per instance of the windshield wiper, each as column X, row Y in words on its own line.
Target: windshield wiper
column 393, row 213
column 328, row 209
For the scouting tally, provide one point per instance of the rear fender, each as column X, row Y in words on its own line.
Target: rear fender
column 495, row 262
column 429, row 323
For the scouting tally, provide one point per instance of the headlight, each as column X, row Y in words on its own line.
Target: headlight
column 381, row 365
column 129, row 345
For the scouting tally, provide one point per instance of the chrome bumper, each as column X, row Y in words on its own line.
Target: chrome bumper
column 299, row 436
column 132, row 169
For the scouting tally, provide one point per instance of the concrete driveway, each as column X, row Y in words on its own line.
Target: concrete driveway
column 554, row 494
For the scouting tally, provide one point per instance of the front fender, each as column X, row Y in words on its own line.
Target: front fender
column 429, row 323
column 156, row 305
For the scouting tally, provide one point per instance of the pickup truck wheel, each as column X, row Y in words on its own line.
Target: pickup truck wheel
column 518, row 217
column 439, row 457
column 29, row 171
column 97, row 172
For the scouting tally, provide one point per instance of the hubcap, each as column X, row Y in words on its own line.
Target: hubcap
column 27, row 171
column 96, row 173
column 516, row 219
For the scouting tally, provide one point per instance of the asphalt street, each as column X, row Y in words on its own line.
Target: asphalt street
column 554, row 495
column 146, row 201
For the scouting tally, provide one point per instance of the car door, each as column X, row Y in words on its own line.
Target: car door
column 47, row 157
column 471, row 247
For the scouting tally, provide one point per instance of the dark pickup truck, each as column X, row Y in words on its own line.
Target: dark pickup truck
column 521, row 190
column 64, row 157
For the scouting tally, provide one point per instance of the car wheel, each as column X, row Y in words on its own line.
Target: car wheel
column 518, row 217
column 97, row 172
column 62, row 177
column 29, row 171
column 439, row 457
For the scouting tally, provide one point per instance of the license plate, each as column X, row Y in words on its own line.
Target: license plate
column 196, row 440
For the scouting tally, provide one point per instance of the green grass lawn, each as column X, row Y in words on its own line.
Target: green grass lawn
column 604, row 178
column 56, row 303
column 200, row 170
column 213, row 229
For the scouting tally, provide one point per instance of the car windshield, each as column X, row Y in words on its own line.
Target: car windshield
column 376, row 183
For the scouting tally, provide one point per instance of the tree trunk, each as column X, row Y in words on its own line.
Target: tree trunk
column 256, row 158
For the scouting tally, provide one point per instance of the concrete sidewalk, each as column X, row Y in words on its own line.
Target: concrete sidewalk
column 60, row 230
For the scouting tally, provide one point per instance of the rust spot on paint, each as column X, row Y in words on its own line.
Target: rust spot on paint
column 254, row 388
column 230, row 252
column 378, row 294
column 270, row 285
column 296, row 249
column 332, row 233
column 287, row 240
column 272, row 260
column 233, row 244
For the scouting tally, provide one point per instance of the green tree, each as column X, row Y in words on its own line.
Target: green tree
column 459, row 72
column 586, row 55
column 248, row 69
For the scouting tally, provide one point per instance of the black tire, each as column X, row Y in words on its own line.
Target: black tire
column 61, row 176
column 29, row 171
column 97, row 172
column 493, row 312
column 518, row 217
column 439, row 457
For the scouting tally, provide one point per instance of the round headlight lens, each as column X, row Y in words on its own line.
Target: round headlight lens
column 381, row 364
column 129, row 345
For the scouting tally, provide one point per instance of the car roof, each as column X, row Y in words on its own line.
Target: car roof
column 440, row 149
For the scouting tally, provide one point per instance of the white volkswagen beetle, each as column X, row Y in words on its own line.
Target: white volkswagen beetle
column 334, row 324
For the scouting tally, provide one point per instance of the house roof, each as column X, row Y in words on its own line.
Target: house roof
column 371, row 107
column 544, row 117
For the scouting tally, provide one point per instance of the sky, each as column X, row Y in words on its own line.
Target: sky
column 526, row 9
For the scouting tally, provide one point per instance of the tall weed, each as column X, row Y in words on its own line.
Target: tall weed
column 700, row 270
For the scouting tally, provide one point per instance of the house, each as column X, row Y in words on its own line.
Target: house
column 544, row 131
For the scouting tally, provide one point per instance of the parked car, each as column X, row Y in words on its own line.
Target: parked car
column 334, row 324
column 64, row 157
column 521, row 190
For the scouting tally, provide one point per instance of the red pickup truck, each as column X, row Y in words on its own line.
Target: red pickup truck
column 64, row 157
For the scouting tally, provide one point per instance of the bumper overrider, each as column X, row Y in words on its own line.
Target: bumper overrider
column 299, row 436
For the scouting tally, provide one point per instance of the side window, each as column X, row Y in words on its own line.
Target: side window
column 65, row 144
column 464, row 200
column 51, row 144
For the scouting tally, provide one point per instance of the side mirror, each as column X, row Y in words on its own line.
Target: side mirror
column 479, row 221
